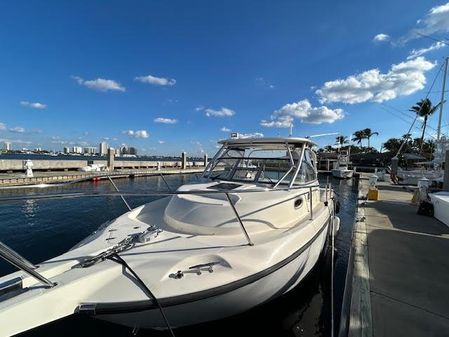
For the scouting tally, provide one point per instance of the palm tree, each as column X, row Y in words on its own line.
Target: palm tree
column 358, row 137
column 424, row 108
column 368, row 134
column 341, row 140
column 392, row 145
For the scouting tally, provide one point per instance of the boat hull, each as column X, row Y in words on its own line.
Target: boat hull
column 226, row 303
column 440, row 203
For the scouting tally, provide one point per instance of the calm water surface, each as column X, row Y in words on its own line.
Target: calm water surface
column 41, row 229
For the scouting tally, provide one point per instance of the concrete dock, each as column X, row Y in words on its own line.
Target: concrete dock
column 400, row 269
column 18, row 179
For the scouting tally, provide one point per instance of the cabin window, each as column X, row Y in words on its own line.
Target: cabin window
column 307, row 171
column 254, row 165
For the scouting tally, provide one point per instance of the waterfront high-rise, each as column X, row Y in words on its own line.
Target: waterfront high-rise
column 90, row 150
column 77, row 150
column 103, row 149
column 7, row 146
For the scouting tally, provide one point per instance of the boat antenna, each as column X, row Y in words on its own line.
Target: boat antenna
column 442, row 98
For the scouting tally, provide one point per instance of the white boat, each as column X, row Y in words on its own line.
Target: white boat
column 341, row 170
column 93, row 168
column 411, row 177
column 248, row 232
column 342, row 173
column 440, row 201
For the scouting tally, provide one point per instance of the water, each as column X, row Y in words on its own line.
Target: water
column 41, row 229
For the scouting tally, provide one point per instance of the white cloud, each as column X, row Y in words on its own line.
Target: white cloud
column 17, row 129
column 59, row 141
column 303, row 111
column 137, row 133
column 381, row 38
column 250, row 135
column 165, row 120
column 264, row 83
column 161, row 141
column 402, row 79
column 33, row 105
column 435, row 21
column 225, row 129
column 277, row 122
column 16, row 141
column 162, row 81
column 223, row 112
column 100, row 84
column 418, row 52
column 2, row 126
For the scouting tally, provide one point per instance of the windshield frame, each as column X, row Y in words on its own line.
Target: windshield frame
column 295, row 164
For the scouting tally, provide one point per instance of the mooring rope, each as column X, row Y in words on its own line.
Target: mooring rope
column 118, row 259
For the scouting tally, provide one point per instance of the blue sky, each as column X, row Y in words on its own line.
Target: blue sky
column 172, row 76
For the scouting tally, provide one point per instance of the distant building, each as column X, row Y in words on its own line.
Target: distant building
column 90, row 150
column 77, row 149
column 132, row 150
column 125, row 150
column 66, row 150
column 103, row 149
column 7, row 146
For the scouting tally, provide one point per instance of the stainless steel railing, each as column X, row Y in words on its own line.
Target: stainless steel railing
column 23, row 264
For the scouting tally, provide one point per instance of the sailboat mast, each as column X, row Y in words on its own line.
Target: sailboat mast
column 442, row 99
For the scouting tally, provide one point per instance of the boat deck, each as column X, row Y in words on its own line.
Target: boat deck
column 400, row 284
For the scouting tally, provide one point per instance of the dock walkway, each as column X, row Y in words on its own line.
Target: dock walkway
column 18, row 179
column 400, row 283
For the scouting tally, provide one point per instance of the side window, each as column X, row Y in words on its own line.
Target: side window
column 307, row 171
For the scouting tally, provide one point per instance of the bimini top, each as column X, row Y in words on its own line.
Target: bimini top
column 267, row 141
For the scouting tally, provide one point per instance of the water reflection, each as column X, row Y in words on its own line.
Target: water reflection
column 30, row 209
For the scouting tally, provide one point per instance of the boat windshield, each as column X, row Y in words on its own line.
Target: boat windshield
column 261, row 165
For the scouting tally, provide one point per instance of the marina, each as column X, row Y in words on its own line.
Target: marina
column 257, row 168
column 367, row 279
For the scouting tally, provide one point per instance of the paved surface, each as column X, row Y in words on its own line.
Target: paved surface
column 19, row 179
column 407, row 270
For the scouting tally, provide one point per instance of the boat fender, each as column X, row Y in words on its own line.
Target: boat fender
column 425, row 208
column 337, row 206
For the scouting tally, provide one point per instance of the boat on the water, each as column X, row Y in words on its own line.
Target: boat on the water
column 341, row 169
column 247, row 232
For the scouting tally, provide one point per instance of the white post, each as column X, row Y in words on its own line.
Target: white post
column 446, row 173
column 442, row 99
column 29, row 168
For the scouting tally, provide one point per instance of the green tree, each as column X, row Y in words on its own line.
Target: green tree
column 359, row 136
column 368, row 133
column 392, row 145
column 424, row 108
column 341, row 140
